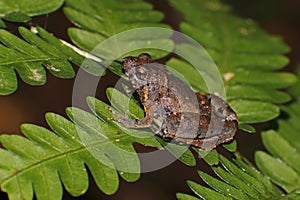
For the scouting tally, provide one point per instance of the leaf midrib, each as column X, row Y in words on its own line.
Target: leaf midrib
column 78, row 150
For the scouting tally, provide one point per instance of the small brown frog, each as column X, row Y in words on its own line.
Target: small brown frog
column 173, row 111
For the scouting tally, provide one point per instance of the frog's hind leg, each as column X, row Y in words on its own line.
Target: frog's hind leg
column 146, row 122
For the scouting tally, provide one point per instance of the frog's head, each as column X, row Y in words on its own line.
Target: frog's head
column 137, row 69
column 130, row 62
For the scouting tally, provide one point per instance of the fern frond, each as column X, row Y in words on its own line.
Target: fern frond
column 237, row 180
column 283, row 165
column 45, row 161
column 98, row 20
column 241, row 181
column 22, row 10
column 246, row 56
column 37, row 164
column 30, row 56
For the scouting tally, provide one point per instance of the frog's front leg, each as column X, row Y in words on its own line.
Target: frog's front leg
column 146, row 122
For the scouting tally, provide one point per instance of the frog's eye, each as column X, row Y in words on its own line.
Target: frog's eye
column 142, row 73
column 144, row 58
column 141, row 70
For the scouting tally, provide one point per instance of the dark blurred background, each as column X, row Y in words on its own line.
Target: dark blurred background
column 29, row 104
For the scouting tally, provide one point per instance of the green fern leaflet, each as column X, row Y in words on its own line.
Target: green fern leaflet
column 283, row 165
column 30, row 56
column 46, row 160
column 98, row 20
column 22, row 10
column 237, row 180
column 246, row 56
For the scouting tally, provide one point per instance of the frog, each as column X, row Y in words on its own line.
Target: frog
column 173, row 111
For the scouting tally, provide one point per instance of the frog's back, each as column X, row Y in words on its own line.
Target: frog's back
column 185, row 95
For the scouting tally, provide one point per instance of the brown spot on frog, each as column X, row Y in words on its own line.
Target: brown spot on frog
column 173, row 111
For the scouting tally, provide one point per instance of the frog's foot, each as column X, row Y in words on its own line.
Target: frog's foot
column 115, row 114
column 117, row 117
column 130, row 123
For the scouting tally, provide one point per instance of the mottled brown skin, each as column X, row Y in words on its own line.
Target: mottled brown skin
column 173, row 110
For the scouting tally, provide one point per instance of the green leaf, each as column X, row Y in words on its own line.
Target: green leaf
column 16, row 17
column 257, row 93
column 254, row 111
column 235, row 170
column 43, row 161
column 98, row 21
column 190, row 75
column 237, row 181
column 283, row 166
column 182, row 153
column 30, row 56
column 27, row 59
column 282, row 163
column 2, row 24
column 22, row 10
column 278, row 171
column 181, row 196
column 79, row 37
column 289, row 132
column 246, row 127
column 8, row 80
column 101, row 110
column 248, row 168
column 231, row 146
column 234, row 182
column 123, row 104
column 128, row 163
column 206, row 193
column 211, row 157
column 86, row 64
column 247, row 57
column 268, row 80
column 280, row 148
